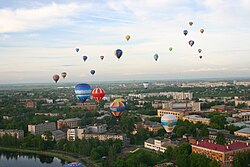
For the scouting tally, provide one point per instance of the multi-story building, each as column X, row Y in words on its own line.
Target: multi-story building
column 159, row 145
column 89, row 107
column 76, row 133
column 31, row 104
column 178, row 114
column 182, row 95
column 40, row 128
column 222, row 108
column 246, row 102
column 19, row 134
column 48, row 114
column 71, row 123
column 224, row 154
column 244, row 116
column 107, row 136
column 97, row 128
column 245, row 132
column 56, row 135
column 196, row 118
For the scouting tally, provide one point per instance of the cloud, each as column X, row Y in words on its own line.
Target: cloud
column 23, row 19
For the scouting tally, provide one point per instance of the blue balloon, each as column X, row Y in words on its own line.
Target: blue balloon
column 83, row 91
column 84, row 58
column 92, row 72
column 118, row 53
column 185, row 32
column 77, row 49
column 75, row 164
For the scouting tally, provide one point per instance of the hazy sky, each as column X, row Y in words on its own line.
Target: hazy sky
column 38, row 39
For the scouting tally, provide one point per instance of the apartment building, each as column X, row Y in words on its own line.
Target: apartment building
column 40, row 128
column 19, row 134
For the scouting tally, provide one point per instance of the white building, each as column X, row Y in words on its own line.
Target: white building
column 158, row 145
column 40, row 128
column 76, row 133
column 19, row 134
column 97, row 128
column 244, row 116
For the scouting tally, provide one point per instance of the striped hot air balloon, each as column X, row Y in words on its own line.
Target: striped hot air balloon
column 98, row 94
column 117, row 108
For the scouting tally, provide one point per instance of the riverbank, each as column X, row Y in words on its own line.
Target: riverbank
column 46, row 153
column 69, row 157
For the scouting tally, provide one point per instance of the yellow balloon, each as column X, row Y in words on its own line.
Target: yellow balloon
column 127, row 37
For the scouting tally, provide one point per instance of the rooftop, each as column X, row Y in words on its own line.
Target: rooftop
column 244, row 130
column 221, row 148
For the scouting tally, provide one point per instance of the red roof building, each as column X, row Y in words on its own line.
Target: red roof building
column 221, row 153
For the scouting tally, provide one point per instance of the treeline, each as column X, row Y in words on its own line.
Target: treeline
column 94, row 148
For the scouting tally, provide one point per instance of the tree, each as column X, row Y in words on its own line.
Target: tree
column 241, row 160
column 220, row 139
column 218, row 121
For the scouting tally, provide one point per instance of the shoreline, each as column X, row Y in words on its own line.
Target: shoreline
column 46, row 153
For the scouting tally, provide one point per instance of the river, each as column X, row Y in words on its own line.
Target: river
column 14, row 159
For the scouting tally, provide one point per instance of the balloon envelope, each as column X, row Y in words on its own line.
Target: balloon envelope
column 191, row 23
column 120, row 100
column 156, row 57
column 145, row 85
column 199, row 50
column 102, row 57
column 185, row 32
column 83, row 91
column 127, row 37
column 170, row 49
column 92, row 72
column 98, row 94
column 77, row 49
column 168, row 121
column 118, row 53
column 200, row 57
column 84, row 58
column 117, row 108
column 56, row 77
column 191, row 43
column 75, row 164
column 63, row 74
column 202, row 30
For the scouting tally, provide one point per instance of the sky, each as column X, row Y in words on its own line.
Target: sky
column 38, row 39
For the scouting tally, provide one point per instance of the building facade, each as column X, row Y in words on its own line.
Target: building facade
column 19, row 134
column 196, row 118
column 71, row 123
column 244, row 116
column 40, row 128
column 224, row 154
column 178, row 114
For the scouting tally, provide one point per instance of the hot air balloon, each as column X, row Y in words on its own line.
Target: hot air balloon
column 170, row 49
column 191, row 43
column 92, row 72
column 156, row 57
column 200, row 57
column 202, row 30
column 98, row 94
column 82, row 91
column 84, row 58
column 191, row 23
column 118, row 53
column 75, row 164
column 117, row 108
column 102, row 57
column 63, row 74
column 145, row 85
column 56, row 77
column 127, row 37
column 77, row 49
column 120, row 100
column 199, row 50
column 185, row 32
column 168, row 121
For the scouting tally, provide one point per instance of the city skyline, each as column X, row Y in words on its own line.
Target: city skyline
column 38, row 39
